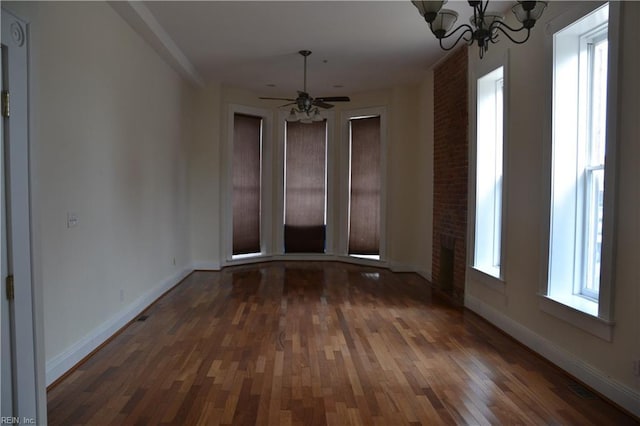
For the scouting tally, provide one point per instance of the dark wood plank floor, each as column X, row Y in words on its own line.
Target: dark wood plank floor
column 314, row 344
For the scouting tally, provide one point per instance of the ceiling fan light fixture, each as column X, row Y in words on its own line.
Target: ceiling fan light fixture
column 306, row 108
column 292, row 116
column 317, row 116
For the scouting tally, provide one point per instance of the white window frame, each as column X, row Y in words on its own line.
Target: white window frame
column 491, row 279
column 558, row 296
column 342, row 245
column 266, row 186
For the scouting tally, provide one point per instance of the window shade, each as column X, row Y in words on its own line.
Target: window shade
column 246, row 183
column 305, row 189
column 364, row 217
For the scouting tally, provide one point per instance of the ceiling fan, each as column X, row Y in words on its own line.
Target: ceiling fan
column 306, row 109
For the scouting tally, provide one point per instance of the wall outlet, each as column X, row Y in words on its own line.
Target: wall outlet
column 72, row 219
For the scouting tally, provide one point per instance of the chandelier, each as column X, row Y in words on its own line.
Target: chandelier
column 484, row 27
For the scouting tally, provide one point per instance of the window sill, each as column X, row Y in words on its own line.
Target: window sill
column 366, row 256
column 579, row 312
column 245, row 256
column 487, row 280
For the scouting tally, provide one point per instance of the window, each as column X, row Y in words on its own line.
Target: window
column 246, row 186
column 364, row 200
column 305, row 202
column 488, row 173
column 581, row 138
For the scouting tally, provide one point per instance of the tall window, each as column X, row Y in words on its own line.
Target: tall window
column 364, row 201
column 578, row 154
column 305, row 187
column 489, row 159
column 246, row 192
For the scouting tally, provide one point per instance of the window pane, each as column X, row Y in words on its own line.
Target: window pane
column 364, row 212
column 595, row 184
column 246, row 184
column 305, row 189
column 598, row 102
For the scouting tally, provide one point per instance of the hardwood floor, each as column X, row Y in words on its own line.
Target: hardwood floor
column 314, row 344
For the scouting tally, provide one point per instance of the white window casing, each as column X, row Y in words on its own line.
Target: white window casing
column 579, row 198
column 488, row 149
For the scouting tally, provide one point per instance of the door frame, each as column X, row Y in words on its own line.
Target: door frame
column 30, row 395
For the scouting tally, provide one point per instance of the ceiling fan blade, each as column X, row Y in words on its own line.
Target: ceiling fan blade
column 322, row 104
column 334, row 99
column 290, row 103
column 277, row 99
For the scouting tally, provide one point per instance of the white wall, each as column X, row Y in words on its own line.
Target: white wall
column 204, row 180
column 410, row 177
column 110, row 129
column 608, row 366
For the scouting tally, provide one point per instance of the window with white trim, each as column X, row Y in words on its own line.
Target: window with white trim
column 246, row 184
column 579, row 144
column 305, row 187
column 489, row 173
column 364, row 187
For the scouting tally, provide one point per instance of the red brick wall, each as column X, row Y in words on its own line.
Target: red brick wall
column 450, row 162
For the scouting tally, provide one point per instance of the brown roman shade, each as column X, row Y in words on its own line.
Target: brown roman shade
column 246, row 183
column 364, row 217
column 305, row 192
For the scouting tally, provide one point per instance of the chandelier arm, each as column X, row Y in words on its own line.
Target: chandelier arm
column 466, row 27
column 462, row 34
column 499, row 24
column 502, row 30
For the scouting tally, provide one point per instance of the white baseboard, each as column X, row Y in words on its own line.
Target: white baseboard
column 617, row 392
column 63, row 362
column 425, row 274
column 205, row 266
column 400, row 267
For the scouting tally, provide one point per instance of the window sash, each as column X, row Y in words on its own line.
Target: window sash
column 594, row 208
column 595, row 128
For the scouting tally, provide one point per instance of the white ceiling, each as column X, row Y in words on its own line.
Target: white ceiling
column 359, row 45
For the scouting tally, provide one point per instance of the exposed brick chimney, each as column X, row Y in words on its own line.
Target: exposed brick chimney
column 451, row 168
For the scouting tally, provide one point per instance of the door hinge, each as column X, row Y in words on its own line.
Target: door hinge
column 5, row 103
column 10, row 290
